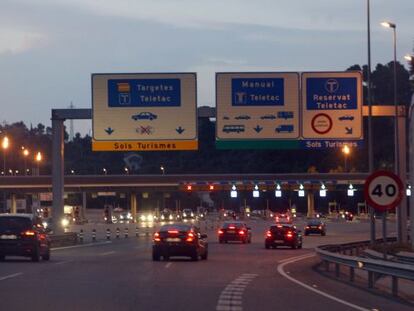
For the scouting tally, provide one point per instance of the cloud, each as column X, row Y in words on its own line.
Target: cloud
column 16, row 41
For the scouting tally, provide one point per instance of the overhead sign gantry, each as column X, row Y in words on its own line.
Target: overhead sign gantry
column 144, row 111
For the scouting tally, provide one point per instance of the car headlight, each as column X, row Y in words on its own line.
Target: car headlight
column 44, row 224
column 143, row 218
column 162, row 217
column 150, row 218
column 184, row 215
column 192, row 214
column 171, row 217
column 65, row 222
column 122, row 217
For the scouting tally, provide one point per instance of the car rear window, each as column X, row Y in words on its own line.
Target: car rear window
column 227, row 225
column 14, row 224
column 314, row 222
column 280, row 228
column 175, row 227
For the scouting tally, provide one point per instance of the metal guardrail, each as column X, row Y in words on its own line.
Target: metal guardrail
column 348, row 255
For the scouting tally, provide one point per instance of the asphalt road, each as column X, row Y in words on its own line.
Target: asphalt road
column 120, row 275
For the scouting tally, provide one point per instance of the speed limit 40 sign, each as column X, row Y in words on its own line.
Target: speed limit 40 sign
column 383, row 190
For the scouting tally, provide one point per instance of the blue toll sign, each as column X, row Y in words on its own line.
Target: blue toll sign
column 257, row 91
column 144, row 93
column 331, row 94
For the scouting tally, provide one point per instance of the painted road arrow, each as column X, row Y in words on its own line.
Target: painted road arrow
column 258, row 128
column 180, row 130
column 109, row 130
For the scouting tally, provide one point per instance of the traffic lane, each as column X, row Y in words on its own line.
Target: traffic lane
column 306, row 270
column 119, row 281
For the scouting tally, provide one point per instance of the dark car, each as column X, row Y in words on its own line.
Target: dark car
column 234, row 231
column 179, row 240
column 23, row 235
column 144, row 116
column 315, row 226
column 283, row 235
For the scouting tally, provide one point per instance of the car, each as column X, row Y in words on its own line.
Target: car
column 234, row 231
column 147, row 217
column 242, row 117
column 187, row 214
column 268, row 117
column 229, row 214
column 283, row 235
column 166, row 215
column 284, row 128
column 144, row 116
column 346, row 118
column 179, row 240
column 283, row 218
column 23, row 235
column 315, row 226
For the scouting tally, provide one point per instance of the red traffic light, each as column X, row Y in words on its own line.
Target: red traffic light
column 211, row 187
column 189, row 187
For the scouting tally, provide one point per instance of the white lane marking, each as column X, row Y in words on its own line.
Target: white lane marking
column 10, row 276
column 80, row 246
column 107, row 253
column 168, row 265
column 231, row 298
column 63, row 262
column 317, row 291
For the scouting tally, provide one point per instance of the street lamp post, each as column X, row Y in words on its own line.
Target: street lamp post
column 25, row 155
column 38, row 159
column 399, row 156
column 5, row 145
column 346, row 151
column 162, row 168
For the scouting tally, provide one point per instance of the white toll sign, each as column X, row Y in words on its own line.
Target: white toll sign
column 332, row 105
column 257, row 106
column 383, row 190
column 144, row 111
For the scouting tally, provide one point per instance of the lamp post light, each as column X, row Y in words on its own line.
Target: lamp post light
column 25, row 155
column 5, row 145
column 126, row 170
column 104, row 171
column 162, row 168
column 346, row 151
column 38, row 159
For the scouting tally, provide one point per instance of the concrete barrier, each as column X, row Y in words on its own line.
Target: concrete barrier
column 66, row 239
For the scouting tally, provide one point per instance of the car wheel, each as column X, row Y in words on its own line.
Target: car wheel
column 244, row 241
column 36, row 254
column 225, row 241
column 294, row 246
column 300, row 245
column 194, row 257
column 155, row 256
column 267, row 246
column 47, row 255
column 221, row 241
column 2, row 257
column 306, row 233
column 323, row 233
column 204, row 256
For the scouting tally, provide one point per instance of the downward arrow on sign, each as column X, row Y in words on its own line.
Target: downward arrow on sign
column 258, row 128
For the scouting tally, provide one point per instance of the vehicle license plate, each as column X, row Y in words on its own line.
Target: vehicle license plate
column 173, row 239
column 230, row 231
column 8, row 237
column 279, row 241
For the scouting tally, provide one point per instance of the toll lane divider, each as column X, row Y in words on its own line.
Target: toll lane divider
column 343, row 255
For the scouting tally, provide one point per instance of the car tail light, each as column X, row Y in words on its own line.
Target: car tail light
column 242, row 232
column 173, row 231
column 289, row 234
column 269, row 234
column 220, row 232
column 29, row 233
column 320, row 227
column 307, row 227
column 190, row 237
column 157, row 237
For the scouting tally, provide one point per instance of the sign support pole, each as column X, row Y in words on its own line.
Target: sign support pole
column 384, row 233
